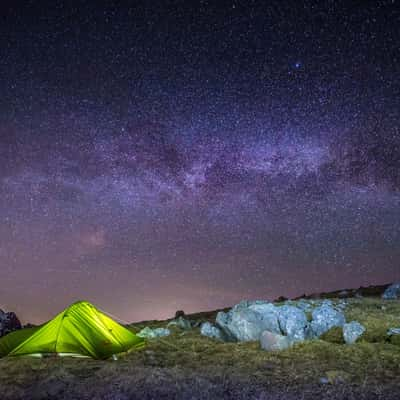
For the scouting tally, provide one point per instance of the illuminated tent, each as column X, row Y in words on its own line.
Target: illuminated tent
column 80, row 330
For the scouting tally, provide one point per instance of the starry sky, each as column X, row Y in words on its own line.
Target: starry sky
column 164, row 155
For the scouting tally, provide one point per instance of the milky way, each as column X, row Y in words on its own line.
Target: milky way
column 166, row 157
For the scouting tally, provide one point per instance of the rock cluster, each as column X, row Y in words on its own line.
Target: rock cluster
column 8, row 322
column 279, row 326
column 352, row 331
column 179, row 322
column 153, row 333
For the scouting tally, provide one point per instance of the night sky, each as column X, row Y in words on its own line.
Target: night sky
column 164, row 155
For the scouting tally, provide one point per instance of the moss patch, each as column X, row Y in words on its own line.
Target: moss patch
column 395, row 339
column 334, row 335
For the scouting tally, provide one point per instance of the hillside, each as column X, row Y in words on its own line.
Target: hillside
column 187, row 365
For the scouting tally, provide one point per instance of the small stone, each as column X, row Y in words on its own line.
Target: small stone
column 393, row 331
column 352, row 331
column 335, row 377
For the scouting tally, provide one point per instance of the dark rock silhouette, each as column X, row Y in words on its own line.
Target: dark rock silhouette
column 179, row 313
column 8, row 322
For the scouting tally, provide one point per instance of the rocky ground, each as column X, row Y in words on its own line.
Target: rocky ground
column 188, row 365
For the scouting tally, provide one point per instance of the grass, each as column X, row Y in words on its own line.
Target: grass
column 188, row 365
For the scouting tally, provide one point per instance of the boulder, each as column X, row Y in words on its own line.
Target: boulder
column 273, row 341
column 352, row 331
column 247, row 320
column 392, row 292
column 153, row 333
column 247, row 325
column 208, row 329
column 324, row 318
column 293, row 323
column 268, row 313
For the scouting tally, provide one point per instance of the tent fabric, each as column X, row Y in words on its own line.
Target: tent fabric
column 10, row 341
column 81, row 329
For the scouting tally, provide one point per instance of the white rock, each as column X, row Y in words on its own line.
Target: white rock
column 326, row 317
column 352, row 331
column 272, row 341
column 393, row 331
column 247, row 320
column 293, row 322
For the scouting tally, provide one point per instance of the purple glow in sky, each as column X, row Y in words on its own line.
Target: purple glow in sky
column 177, row 157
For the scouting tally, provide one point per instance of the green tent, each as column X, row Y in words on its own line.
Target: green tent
column 80, row 330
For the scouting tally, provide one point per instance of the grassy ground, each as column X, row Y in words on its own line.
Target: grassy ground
column 187, row 365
